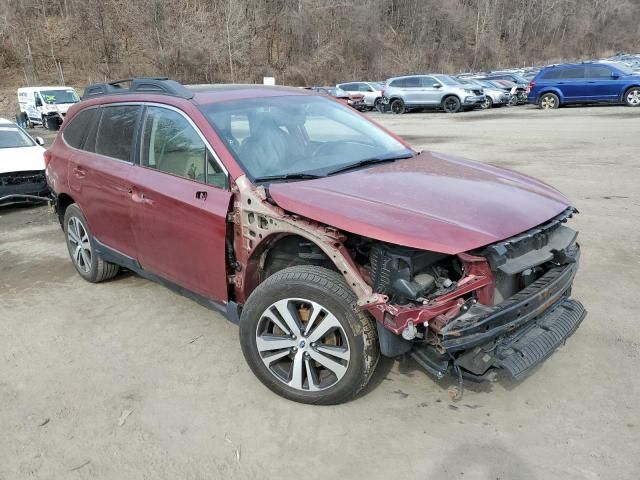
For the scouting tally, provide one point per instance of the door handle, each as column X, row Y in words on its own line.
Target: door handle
column 201, row 195
column 79, row 172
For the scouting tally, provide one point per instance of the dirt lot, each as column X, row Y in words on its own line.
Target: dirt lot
column 128, row 380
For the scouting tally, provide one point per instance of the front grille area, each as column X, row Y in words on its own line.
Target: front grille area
column 20, row 178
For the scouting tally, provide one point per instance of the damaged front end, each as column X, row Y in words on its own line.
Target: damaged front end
column 505, row 306
column 23, row 186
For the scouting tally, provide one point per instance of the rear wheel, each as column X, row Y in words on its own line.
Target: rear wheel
column 304, row 337
column 398, row 107
column 451, row 104
column 549, row 101
column 82, row 251
column 632, row 97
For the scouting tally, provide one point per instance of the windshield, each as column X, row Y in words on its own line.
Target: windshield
column 11, row 137
column 59, row 96
column 622, row 67
column 298, row 134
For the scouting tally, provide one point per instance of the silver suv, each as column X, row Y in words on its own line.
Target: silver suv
column 438, row 91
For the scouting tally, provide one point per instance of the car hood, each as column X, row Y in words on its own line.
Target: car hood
column 431, row 201
column 21, row 159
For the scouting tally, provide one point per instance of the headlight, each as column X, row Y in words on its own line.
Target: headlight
column 468, row 92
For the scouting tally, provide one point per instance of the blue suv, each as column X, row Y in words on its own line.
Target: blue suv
column 584, row 83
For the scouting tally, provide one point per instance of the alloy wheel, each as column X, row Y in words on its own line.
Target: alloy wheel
column 548, row 102
column 451, row 105
column 81, row 251
column 633, row 97
column 302, row 344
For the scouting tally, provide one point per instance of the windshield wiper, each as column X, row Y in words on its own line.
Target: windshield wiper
column 288, row 176
column 368, row 161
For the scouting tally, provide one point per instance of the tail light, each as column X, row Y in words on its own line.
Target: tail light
column 47, row 158
column 382, row 92
column 530, row 86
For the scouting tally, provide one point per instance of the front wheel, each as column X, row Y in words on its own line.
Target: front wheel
column 398, row 107
column 632, row 97
column 304, row 337
column 451, row 104
column 487, row 104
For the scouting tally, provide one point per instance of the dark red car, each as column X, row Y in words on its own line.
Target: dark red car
column 326, row 237
column 352, row 99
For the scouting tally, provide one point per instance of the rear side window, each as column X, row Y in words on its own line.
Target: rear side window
column 349, row 87
column 412, row 82
column 552, row 74
column 116, row 131
column 76, row 132
column 400, row 82
column 599, row 71
column 574, row 72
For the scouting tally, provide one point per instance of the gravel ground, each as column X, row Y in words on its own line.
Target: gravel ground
column 127, row 380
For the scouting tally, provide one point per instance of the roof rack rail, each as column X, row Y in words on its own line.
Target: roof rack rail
column 159, row 85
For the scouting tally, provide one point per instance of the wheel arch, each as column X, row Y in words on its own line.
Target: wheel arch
column 556, row 91
column 63, row 200
column 627, row 88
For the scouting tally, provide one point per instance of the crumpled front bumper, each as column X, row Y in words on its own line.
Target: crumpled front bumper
column 482, row 323
column 17, row 187
column 513, row 336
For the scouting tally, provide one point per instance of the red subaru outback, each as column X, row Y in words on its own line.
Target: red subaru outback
column 326, row 237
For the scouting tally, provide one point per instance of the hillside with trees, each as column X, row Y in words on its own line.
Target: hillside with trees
column 300, row 42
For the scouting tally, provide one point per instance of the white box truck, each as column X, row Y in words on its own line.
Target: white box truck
column 46, row 106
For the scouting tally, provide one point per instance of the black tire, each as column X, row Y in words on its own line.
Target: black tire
column 549, row 101
column 377, row 104
column 328, row 289
column 96, row 270
column 28, row 123
column 451, row 104
column 632, row 97
column 487, row 104
column 398, row 107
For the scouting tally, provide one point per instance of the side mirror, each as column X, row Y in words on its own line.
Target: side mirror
column 38, row 102
column 437, row 85
column 40, row 141
column 615, row 75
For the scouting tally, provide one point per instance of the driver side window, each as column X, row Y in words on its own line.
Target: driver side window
column 172, row 145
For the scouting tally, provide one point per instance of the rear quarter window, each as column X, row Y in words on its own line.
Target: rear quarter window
column 551, row 74
column 76, row 132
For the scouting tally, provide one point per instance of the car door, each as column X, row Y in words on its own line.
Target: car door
column 412, row 90
column 99, row 172
column 179, row 204
column 601, row 84
column 573, row 84
column 430, row 94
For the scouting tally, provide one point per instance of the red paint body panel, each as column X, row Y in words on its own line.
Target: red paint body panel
column 432, row 202
column 100, row 187
column 179, row 237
